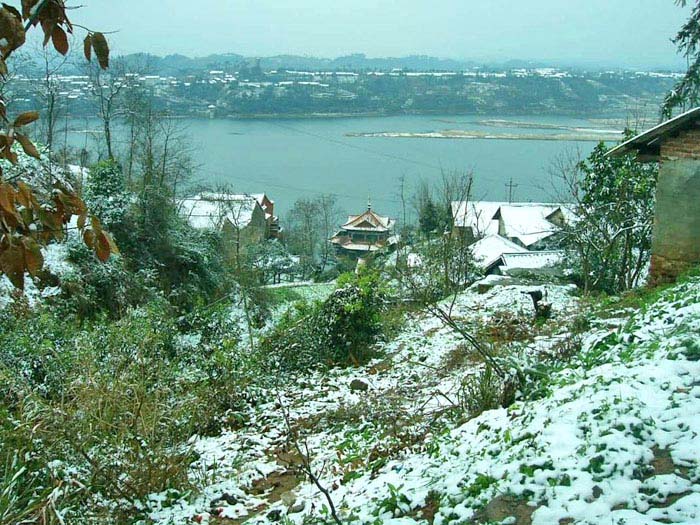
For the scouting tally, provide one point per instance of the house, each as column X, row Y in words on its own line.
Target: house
column 675, row 144
column 539, row 262
column 488, row 252
column 531, row 225
column 240, row 217
column 273, row 222
column 500, row 256
column 364, row 234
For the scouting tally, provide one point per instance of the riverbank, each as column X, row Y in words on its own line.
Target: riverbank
column 593, row 136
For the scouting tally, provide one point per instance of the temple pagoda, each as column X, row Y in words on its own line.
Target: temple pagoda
column 364, row 234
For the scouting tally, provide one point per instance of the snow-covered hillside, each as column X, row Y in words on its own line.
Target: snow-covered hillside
column 609, row 436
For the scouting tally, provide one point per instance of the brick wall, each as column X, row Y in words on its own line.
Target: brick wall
column 686, row 145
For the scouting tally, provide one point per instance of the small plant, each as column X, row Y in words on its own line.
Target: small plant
column 692, row 349
column 396, row 503
column 480, row 392
column 479, row 486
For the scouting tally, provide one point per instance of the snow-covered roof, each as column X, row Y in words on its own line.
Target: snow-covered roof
column 488, row 250
column 368, row 221
column 260, row 197
column 212, row 210
column 531, row 260
column 477, row 215
column 528, row 222
column 647, row 144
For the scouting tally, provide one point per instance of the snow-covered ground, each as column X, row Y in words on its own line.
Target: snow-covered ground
column 615, row 439
column 352, row 420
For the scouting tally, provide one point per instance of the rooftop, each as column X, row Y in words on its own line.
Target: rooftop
column 368, row 221
column 212, row 210
column 648, row 144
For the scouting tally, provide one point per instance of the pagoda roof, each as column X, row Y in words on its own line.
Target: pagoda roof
column 368, row 221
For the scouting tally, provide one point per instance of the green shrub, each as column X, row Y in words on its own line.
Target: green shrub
column 339, row 331
column 114, row 402
column 481, row 392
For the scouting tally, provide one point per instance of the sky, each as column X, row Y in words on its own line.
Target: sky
column 634, row 33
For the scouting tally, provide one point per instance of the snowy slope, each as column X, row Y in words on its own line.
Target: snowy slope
column 613, row 439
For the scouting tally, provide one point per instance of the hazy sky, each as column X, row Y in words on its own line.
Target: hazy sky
column 617, row 32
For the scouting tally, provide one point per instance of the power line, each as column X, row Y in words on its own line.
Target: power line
column 510, row 185
column 296, row 188
column 357, row 147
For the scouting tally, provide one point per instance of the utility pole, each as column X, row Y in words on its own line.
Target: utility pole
column 510, row 185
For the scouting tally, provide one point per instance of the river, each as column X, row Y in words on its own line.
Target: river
column 289, row 159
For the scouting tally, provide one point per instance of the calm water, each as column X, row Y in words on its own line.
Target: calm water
column 289, row 159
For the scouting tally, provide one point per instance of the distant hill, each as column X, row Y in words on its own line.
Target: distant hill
column 180, row 64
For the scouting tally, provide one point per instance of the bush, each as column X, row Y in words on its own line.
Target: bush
column 186, row 265
column 110, row 289
column 339, row 331
column 107, row 406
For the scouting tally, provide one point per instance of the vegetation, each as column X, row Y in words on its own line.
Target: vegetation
column 339, row 331
column 686, row 92
column 613, row 202
column 33, row 212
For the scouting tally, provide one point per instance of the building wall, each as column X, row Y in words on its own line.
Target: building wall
column 253, row 233
column 676, row 239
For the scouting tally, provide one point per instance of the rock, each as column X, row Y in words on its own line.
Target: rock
column 229, row 499
column 288, row 498
column 274, row 515
column 297, row 507
column 358, row 385
column 503, row 507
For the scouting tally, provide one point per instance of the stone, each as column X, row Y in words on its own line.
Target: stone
column 274, row 515
column 297, row 507
column 358, row 385
column 227, row 498
column 288, row 498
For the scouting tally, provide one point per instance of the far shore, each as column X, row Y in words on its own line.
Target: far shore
column 380, row 114
column 481, row 135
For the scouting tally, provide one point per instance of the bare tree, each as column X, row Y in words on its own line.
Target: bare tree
column 107, row 89
column 446, row 265
column 328, row 213
column 48, row 92
column 303, row 232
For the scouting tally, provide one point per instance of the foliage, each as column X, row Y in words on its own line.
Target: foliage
column 104, row 409
column 339, row 331
column 110, row 288
column 480, row 392
column 30, row 215
column 106, row 194
column 686, row 92
column 158, row 247
column 433, row 217
column 270, row 260
column 610, row 240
